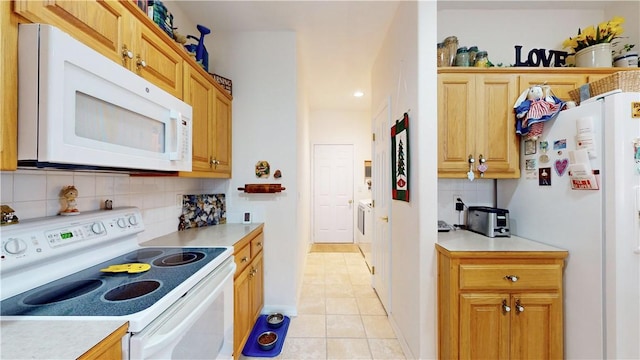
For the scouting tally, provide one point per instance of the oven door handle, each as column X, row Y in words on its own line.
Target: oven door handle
column 180, row 326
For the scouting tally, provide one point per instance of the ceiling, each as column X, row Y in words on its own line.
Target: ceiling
column 338, row 40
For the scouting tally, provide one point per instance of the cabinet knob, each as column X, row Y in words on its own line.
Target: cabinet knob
column 519, row 307
column 126, row 54
column 259, row 244
column 505, row 307
column 140, row 63
column 512, row 278
column 244, row 259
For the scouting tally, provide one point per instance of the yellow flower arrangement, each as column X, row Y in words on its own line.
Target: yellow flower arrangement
column 604, row 33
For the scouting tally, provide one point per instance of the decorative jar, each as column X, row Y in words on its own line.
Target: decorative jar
column 598, row 55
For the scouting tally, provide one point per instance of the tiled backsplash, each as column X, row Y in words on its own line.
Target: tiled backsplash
column 479, row 192
column 35, row 193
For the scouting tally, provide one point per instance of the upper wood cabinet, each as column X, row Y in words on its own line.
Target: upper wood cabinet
column 123, row 33
column 211, row 126
column 154, row 59
column 476, row 120
column 560, row 84
column 103, row 25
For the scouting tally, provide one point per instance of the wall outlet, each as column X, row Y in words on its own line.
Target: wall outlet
column 179, row 200
column 459, row 206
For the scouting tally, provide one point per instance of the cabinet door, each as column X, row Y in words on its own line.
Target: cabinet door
column 536, row 328
column 495, row 136
column 561, row 84
column 199, row 92
column 242, row 319
column 484, row 326
column 162, row 64
column 456, row 112
column 99, row 24
column 222, row 135
column 257, row 286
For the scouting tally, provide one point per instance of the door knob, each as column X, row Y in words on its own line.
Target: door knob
column 350, row 202
column 384, row 218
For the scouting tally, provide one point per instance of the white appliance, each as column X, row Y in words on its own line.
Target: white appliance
column 180, row 308
column 79, row 109
column 365, row 229
column 599, row 228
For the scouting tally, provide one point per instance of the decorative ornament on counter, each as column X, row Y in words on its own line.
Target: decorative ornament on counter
column 8, row 215
column 538, row 56
column 263, row 169
column 277, row 174
column 108, row 204
column 68, row 196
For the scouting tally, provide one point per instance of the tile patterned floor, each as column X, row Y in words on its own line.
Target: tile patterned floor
column 339, row 314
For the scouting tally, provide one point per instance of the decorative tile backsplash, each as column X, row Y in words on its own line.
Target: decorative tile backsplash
column 203, row 210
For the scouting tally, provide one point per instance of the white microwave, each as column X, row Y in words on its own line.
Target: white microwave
column 78, row 109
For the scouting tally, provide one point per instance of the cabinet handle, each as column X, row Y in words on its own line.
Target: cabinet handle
column 259, row 244
column 213, row 162
column 519, row 307
column 505, row 307
column 126, row 54
column 244, row 259
column 140, row 63
column 512, row 278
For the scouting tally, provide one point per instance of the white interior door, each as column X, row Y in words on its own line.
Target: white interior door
column 333, row 208
column 381, row 191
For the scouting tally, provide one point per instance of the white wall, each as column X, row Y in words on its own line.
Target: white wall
column 263, row 68
column 498, row 29
column 345, row 127
column 405, row 71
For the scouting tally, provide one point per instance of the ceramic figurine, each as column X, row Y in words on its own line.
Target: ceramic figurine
column 68, row 196
column 8, row 215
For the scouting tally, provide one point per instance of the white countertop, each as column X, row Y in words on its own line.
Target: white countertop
column 52, row 339
column 216, row 235
column 462, row 240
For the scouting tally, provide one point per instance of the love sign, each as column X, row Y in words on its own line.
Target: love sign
column 539, row 56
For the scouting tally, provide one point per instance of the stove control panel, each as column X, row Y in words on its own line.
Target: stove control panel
column 36, row 240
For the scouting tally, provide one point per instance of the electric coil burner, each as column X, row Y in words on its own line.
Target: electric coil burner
column 81, row 267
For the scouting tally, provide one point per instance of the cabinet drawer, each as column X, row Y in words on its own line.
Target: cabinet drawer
column 242, row 258
column 495, row 277
column 256, row 245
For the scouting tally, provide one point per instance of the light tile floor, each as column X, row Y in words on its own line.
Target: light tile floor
column 339, row 314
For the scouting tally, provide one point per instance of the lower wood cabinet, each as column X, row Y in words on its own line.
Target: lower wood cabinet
column 500, row 305
column 248, row 287
column 108, row 349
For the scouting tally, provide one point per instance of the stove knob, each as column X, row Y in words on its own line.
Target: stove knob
column 133, row 220
column 97, row 228
column 503, row 230
column 121, row 223
column 15, row 246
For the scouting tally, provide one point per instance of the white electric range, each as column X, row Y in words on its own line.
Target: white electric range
column 178, row 301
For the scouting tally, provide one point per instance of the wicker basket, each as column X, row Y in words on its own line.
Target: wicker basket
column 623, row 80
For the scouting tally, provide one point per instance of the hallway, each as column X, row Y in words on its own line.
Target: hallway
column 339, row 314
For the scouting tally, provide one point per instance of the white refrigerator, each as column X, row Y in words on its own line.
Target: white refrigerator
column 599, row 227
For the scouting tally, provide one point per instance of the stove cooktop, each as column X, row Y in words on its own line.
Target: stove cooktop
column 91, row 292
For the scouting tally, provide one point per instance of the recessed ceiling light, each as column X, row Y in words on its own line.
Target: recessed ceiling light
column 358, row 93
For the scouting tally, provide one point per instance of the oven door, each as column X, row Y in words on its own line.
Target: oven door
column 198, row 326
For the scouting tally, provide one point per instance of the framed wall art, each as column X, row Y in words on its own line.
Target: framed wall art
column 400, row 159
